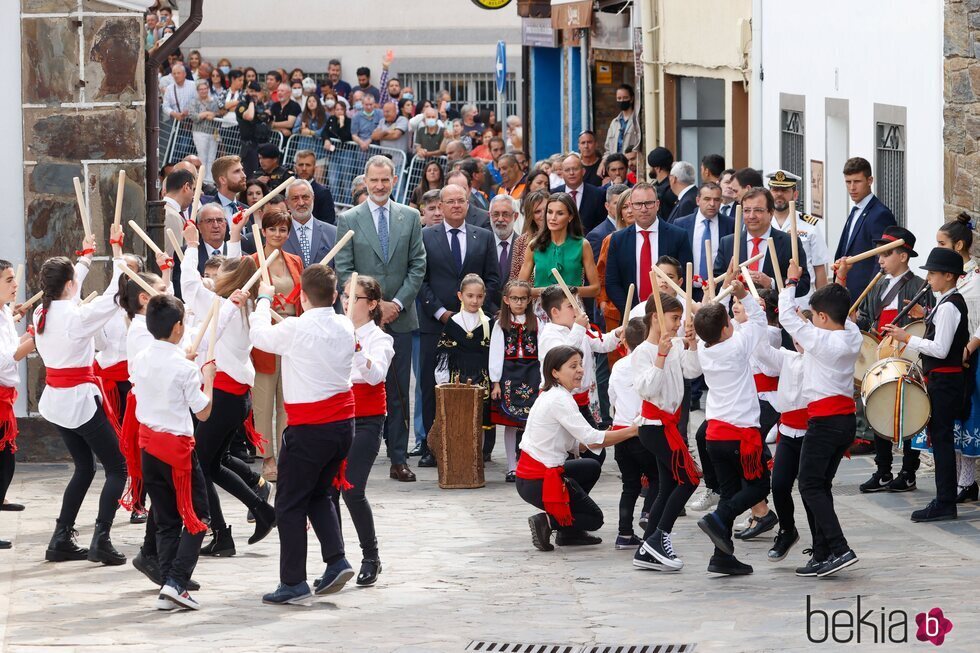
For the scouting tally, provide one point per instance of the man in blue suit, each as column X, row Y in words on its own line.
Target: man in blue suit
column 705, row 225
column 865, row 223
column 634, row 251
column 607, row 226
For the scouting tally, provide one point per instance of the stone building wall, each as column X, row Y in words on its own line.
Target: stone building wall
column 961, row 130
column 83, row 102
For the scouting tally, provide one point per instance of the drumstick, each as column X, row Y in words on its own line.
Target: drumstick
column 346, row 238
column 353, row 293
column 746, row 274
column 757, row 257
column 260, row 251
column 213, row 335
column 146, row 239
column 178, row 250
column 775, row 264
column 857, row 258
column 262, row 202
column 736, row 245
column 659, row 304
column 150, row 290
column 710, row 280
column 568, row 293
column 255, row 277
column 120, row 193
column 670, row 282
column 196, row 202
column 793, row 233
column 82, row 208
column 629, row 303
column 864, row 294
column 690, row 290
column 92, row 295
column 204, row 325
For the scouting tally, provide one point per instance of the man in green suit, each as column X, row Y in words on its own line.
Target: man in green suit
column 387, row 245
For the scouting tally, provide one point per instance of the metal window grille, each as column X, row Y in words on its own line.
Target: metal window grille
column 890, row 168
column 415, row 171
column 479, row 89
column 792, row 153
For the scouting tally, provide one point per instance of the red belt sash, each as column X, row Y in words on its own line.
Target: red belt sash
column 554, row 494
column 129, row 445
column 680, row 457
column 331, row 409
column 830, row 406
column 750, row 444
column 582, row 398
column 72, row 377
column 765, row 383
column 795, row 419
column 886, row 317
column 111, row 377
column 370, row 400
column 177, row 451
column 949, row 369
column 8, row 421
column 227, row 384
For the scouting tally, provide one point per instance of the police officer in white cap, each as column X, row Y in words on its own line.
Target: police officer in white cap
column 783, row 186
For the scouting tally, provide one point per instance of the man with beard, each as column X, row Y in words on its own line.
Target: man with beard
column 502, row 218
column 229, row 178
column 304, row 165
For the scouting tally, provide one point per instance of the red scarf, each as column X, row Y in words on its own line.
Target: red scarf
column 111, row 377
column 554, row 494
column 227, row 384
column 679, row 455
column 129, row 444
column 8, row 421
column 331, row 409
column 177, row 451
column 370, row 400
column 765, row 383
column 581, row 399
column 795, row 419
column 71, row 377
column 750, row 444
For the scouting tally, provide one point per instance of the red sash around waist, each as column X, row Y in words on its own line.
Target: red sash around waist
column 8, row 421
column 765, row 383
column 886, row 317
column 129, row 445
column 227, row 384
column 118, row 372
column 795, row 419
column 554, row 494
column 177, row 451
column 949, row 369
column 331, row 409
column 370, row 400
column 72, row 377
column 680, row 457
column 830, row 406
column 582, row 398
column 750, row 444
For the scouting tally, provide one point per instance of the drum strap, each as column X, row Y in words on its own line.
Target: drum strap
column 892, row 294
column 898, row 417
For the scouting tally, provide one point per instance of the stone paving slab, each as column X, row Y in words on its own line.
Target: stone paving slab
column 458, row 567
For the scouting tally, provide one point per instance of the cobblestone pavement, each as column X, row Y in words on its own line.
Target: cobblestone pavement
column 459, row 569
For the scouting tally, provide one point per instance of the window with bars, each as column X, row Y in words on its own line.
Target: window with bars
column 479, row 89
column 890, row 168
column 792, row 154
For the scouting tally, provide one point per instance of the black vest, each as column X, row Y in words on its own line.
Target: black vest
column 954, row 358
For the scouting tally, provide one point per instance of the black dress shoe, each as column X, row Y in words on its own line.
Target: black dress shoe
column 427, row 460
column 968, row 494
column 402, row 473
column 4, row 544
column 728, row 565
column 368, row 575
column 486, row 456
column 576, row 538
column 714, row 529
column 934, row 512
column 16, row 507
column 417, row 451
column 784, row 542
column 759, row 526
column 541, row 531
column 265, row 521
column 511, row 477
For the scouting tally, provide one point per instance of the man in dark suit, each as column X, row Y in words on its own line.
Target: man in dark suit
column 634, row 251
column 609, row 225
column 705, row 225
column 591, row 201
column 502, row 217
column 682, row 184
column 757, row 209
column 474, row 215
column 453, row 249
column 229, row 178
column 304, row 165
column 865, row 223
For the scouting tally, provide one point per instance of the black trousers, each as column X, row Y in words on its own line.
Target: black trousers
column 768, row 418
column 738, row 493
column 580, row 477
column 177, row 549
column 884, row 456
column 360, row 459
column 213, row 437
column 824, row 445
column 399, row 411
column 785, row 468
column 946, row 399
column 707, row 469
column 8, row 461
column 308, row 462
column 671, row 495
column 598, row 457
column 633, row 460
column 93, row 440
column 602, row 373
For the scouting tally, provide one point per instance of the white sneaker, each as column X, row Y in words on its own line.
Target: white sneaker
column 165, row 604
column 708, row 500
column 179, row 599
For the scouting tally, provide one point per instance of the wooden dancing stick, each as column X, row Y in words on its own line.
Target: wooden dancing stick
column 19, row 274
column 737, row 239
column 92, row 295
column 567, row 291
column 146, row 239
column 775, row 264
column 178, row 250
column 670, row 282
column 346, row 238
column 262, row 202
column 865, row 292
column 213, row 336
column 196, row 202
column 629, row 303
column 120, row 193
column 690, row 290
column 725, row 292
column 857, row 258
column 710, row 281
column 351, row 298
column 262, row 268
column 196, row 344
column 150, row 290
column 82, row 207
column 656, row 300
column 793, row 233
column 33, row 300
column 748, row 281
column 757, row 257
column 260, row 252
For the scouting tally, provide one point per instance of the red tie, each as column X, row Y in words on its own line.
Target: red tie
column 575, row 197
column 646, row 265
column 755, row 252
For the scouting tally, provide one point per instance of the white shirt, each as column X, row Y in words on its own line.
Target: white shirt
column 698, row 235
column 662, row 387
column 828, row 356
column 9, row 342
column 759, row 364
column 623, row 398
column 178, row 98
column 68, row 341
column 861, row 206
column 227, row 249
column 555, row 427
column 377, row 348
column 946, row 319
column 789, row 394
column 685, row 191
column 167, row 388
column 299, row 227
column 495, row 369
column 551, row 335
column 139, row 339
column 317, row 350
column 578, row 193
column 763, row 248
column 654, row 247
column 640, row 310
column 233, row 347
column 892, row 281
column 732, row 397
column 110, row 341
column 374, row 214
column 461, row 236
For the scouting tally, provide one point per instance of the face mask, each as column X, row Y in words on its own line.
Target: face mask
column 625, row 104
column 408, row 96
column 297, row 93
column 358, row 105
column 330, row 104
column 369, row 113
column 430, row 122
column 225, row 69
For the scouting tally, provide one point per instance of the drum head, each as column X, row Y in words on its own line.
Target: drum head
column 880, row 391
column 867, row 357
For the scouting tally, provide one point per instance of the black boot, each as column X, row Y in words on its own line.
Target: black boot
column 265, row 521
column 101, row 549
column 63, row 546
column 221, row 546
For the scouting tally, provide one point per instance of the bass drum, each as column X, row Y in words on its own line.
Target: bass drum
column 896, row 403
column 867, row 357
column 890, row 348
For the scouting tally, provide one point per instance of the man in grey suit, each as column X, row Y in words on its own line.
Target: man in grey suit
column 387, row 245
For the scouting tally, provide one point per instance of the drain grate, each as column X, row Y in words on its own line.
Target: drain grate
column 524, row 647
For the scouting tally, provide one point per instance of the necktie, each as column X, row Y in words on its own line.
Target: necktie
column 755, row 252
column 457, row 250
column 574, row 194
column 705, row 238
column 383, row 230
column 504, row 267
column 726, row 209
column 304, row 244
column 216, row 252
column 646, row 264
column 847, row 228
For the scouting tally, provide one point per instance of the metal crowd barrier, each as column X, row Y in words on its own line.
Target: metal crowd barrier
column 227, row 136
column 415, row 171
